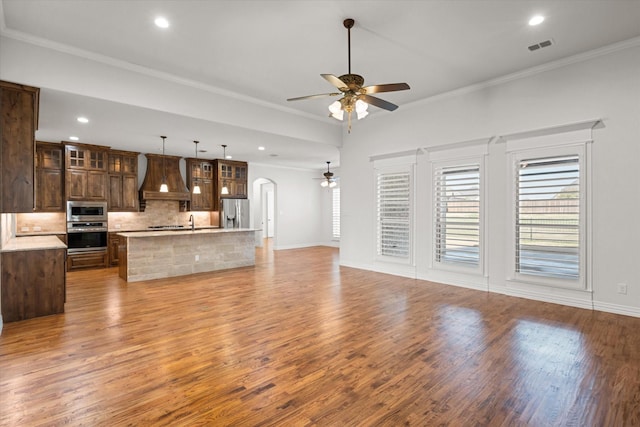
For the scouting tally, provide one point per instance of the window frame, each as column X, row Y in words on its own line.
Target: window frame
column 581, row 151
column 335, row 218
column 396, row 167
column 454, row 163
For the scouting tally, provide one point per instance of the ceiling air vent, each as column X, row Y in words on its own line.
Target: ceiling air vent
column 540, row 45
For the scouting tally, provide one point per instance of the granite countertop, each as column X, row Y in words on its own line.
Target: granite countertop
column 180, row 231
column 33, row 243
column 39, row 233
column 147, row 229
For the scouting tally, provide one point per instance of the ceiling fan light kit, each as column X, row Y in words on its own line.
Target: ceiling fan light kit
column 329, row 180
column 355, row 96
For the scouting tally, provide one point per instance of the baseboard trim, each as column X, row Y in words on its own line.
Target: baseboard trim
column 537, row 296
column 608, row 307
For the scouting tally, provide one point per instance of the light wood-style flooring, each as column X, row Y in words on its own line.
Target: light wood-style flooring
column 299, row 341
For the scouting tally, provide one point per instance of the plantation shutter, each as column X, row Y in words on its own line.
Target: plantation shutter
column 548, row 217
column 336, row 213
column 393, row 214
column 457, row 214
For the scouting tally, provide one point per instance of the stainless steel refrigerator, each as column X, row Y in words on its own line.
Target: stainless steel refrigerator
column 234, row 213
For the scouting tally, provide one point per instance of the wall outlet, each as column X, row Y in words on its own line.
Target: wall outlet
column 197, row 257
column 24, row 228
column 622, row 288
column 36, row 228
column 117, row 225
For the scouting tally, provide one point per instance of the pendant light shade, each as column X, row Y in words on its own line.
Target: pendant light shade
column 196, row 187
column 164, row 188
column 225, row 189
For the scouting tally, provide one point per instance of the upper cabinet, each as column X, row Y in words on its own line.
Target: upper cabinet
column 233, row 176
column 49, row 177
column 200, row 172
column 18, row 124
column 123, row 181
column 86, row 172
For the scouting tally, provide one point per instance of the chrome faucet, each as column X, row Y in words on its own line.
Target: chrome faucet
column 193, row 223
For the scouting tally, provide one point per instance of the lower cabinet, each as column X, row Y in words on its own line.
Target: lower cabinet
column 82, row 260
column 114, row 241
column 33, row 283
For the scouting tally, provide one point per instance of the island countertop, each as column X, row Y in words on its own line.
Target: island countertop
column 182, row 231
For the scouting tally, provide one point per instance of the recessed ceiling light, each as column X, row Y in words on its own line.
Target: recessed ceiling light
column 83, row 120
column 74, row 138
column 261, row 148
column 229, row 156
column 536, row 20
column 162, row 22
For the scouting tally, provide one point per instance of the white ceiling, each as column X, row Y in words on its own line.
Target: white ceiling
column 267, row 51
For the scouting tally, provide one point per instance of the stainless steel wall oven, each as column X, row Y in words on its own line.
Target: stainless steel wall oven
column 86, row 226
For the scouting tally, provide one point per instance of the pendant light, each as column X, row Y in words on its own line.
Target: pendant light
column 163, row 187
column 225, row 189
column 196, row 187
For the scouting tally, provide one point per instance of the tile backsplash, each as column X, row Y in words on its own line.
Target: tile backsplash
column 41, row 222
column 157, row 212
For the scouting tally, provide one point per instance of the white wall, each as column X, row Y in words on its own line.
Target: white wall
column 604, row 86
column 298, row 202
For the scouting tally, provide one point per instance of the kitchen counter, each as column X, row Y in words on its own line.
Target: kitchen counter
column 146, row 255
column 181, row 231
column 147, row 229
column 33, row 243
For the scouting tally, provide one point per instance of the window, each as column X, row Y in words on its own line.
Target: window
column 457, row 214
column 393, row 214
column 548, row 216
column 336, row 213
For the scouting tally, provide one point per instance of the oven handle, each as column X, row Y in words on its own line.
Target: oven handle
column 86, row 230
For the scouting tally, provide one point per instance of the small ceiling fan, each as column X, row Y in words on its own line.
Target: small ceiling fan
column 356, row 97
column 328, row 180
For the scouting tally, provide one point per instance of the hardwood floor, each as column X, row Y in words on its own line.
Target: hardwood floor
column 298, row 340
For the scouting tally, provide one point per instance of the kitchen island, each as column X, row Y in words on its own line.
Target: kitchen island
column 150, row 255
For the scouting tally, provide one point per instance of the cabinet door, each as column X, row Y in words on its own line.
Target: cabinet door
column 114, row 241
column 115, row 192
column 130, row 192
column 76, row 184
column 97, row 160
column 17, row 147
column 206, row 187
column 96, row 185
column 130, row 164
column 49, row 190
column 77, row 157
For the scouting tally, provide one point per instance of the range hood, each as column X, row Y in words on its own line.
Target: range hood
column 158, row 166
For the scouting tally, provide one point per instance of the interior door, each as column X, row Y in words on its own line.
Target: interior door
column 270, row 213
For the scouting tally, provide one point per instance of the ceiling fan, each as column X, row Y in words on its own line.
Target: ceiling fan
column 328, row 180
column 356, row 97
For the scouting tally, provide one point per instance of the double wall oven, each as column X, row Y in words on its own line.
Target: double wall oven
column 86, row 226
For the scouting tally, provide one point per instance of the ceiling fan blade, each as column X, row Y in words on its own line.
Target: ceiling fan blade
column 391, row 87
column 381, row 103
column 322, row 95
column 335, row 81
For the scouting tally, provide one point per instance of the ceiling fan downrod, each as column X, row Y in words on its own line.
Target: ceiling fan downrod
column 348, row 24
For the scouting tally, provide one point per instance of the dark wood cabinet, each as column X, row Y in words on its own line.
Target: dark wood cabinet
column 85, row 260
column 123, row 181
column 201, row 172
column 18, row 124
column 114, row 242
column 86, row 172
column 33, row 283
column 49, row 177
column 234, row 176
